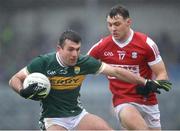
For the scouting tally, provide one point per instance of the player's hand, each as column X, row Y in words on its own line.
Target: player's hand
column 154, row 86
column 33, row 91
column 164, row 84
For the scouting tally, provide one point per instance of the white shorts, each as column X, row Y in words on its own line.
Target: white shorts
column 150, row 113
column 68, row 122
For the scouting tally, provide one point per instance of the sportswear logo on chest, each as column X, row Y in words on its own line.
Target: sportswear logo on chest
column 51, row 72
column 108, row 53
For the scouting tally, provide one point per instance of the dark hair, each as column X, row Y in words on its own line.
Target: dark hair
column 118, row 10
column 70, row 35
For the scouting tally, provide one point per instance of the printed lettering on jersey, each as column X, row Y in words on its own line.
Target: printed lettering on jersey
column 54, row 72
column 63, row 71
column 108, row 53
column 133, row 68
column 62, row 83
column 51, row 72
column 121, row 54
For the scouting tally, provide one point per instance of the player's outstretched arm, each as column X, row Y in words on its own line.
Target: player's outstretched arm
column 122, row 74
column 146, row 86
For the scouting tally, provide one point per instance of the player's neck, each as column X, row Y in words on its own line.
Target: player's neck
column 126, row 40
column 126, row 37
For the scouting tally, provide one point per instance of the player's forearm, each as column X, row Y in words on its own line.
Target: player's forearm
column 162, row 76
column 160, row 71
column 130, row 77
column 123, row 74
column 15, row 83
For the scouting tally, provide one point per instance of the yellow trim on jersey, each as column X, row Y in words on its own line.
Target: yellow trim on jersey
column 62, row 83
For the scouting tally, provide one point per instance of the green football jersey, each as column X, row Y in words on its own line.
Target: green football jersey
column 64, row 97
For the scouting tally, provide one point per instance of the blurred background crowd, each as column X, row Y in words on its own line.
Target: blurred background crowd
column 29, row 28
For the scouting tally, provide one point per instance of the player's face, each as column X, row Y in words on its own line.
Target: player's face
column 119, row 27
column 69, row 53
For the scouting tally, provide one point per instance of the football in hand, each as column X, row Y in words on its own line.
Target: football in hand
column 40, row 79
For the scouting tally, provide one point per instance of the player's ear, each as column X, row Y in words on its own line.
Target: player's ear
column 58, row 47
column 129, row 21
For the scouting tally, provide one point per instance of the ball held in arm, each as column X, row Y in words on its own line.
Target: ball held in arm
column 36, row 86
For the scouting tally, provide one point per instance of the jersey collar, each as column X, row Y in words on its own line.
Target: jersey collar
column 124, row 43
column 58, row 58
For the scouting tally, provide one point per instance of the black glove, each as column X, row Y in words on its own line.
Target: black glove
column 33, row 91
column 154, row 86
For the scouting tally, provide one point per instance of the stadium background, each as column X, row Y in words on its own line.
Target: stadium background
column 31, row 27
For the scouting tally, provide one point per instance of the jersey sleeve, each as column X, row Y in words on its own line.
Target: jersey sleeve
column 91, row 65
column 94, row 51
column 153, row 54
column 102, row 67
column 36, row 65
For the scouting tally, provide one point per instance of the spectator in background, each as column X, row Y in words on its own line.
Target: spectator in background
column 137, row 108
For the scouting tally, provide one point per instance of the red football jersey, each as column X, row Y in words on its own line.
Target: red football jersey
column 135, row 55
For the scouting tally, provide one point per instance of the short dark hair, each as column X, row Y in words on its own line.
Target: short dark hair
column 70, row 35
column 119, row 10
